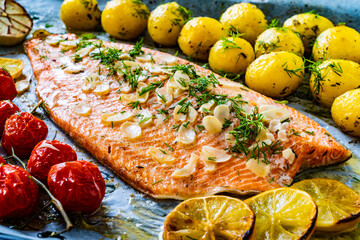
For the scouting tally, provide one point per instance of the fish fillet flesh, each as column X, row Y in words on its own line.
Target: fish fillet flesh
column 170, row 128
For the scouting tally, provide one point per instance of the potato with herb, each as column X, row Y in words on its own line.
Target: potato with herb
column 337, row 42
column 279, row 39
column 345, row 112
column 332, row 78
column 125, row 19
column 276, row 74
column 198, row 35
column 246, row 18
column 165, row 23
column 80, row 15
column 231, row 55
column 309, row 25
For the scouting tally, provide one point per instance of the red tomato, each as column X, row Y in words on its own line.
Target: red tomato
column 19, row 195
column 7, row 108
column 7, row 86
column 22, row 132
column 78, row 185
column 2, row 161
column 46, row 154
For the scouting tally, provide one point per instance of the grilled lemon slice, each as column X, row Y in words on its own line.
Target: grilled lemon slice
column 339, row 205
column 14, row 66
column 15, row 23
column 283, row 213
column 213, row 217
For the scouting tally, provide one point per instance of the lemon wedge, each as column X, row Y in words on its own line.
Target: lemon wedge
column 212, row 217
column 15, row 23
column 283, row 213
column 14, row 66
column 339, row 205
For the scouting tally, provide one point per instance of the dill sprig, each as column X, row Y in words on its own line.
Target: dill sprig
column 273, row 24
column 228, row 43
column 299, row 72
column 268, row 46
column 151, row 87
column 318, row 78
column 137, row 49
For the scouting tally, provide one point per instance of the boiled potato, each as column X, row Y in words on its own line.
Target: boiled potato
column 332, row 78
column 231, row 55
column 276, row 74
column 198, row 35
column 309, row 26
column 165, row 23
column 345, row 112
column 80, row 15
column 337, row 42
column 125, row 19
column 278, row 39
column 246, row 18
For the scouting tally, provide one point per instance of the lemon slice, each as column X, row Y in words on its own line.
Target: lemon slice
column 15, row 23
column 14, row 66
column 283, row 213
column 339, row 205
column 212, row 217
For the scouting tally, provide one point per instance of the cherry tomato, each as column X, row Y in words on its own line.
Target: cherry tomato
column 7, row 108
column 78, row 185
column 46, row 154
column 7, row 86
column 22, row 132
column 19, row 195
column 2, row 161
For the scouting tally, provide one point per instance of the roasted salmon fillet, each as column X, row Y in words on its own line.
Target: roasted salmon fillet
column 170, row 128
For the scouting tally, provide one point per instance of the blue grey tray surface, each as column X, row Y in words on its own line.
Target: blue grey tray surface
column 129, row 214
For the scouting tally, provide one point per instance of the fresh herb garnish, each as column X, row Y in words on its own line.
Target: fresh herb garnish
column 137, row 49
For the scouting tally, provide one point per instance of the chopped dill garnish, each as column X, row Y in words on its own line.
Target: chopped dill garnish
column 151, row 87
column 157, row 181
column 273, row 24
column 137, row 49
column 308, row 132
column 170, row 148
column 135, row 105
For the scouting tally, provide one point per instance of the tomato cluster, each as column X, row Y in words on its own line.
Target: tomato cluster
column 7, row 86
column 46, row 154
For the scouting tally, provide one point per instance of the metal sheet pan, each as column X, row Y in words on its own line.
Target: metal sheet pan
column 129, row 214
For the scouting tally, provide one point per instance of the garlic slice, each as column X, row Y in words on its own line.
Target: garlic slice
column 145, row 117
column 144, row 58
column 130, row 64
column 53, row 40
column 289, row 155
column 212, row 124
column 128, row 98
column 179, row 116
column 274, row 125
column 173, row 89
column 110, row 119
column 276, row 113
column 165, row 58
column 264, row 137
column 258, row 167
column 102, row 89
column 191, row 115
column 70, row 44
column 161, row 156
column 222, row 112
column 124, row 56
column 82, row 109
column 160, row 118
column 22, row 86
column 74, row 69
column 207, row 106
column 188, row 169
column 84, row 51
column 230, row 139
column 143, row 98
column 263, row 108
column 163, row 94
column 186, row 135
column 282, row 136
column 131, row 129
column 181, row 80
column 214, row 155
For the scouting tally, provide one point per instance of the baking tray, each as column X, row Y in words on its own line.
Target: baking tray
column 127, row 213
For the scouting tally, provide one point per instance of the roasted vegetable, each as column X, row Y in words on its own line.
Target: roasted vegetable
column 7, row 108
column 7, row 86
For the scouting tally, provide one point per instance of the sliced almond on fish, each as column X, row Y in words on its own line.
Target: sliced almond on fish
column 69, row 44
column 15, row 23
column 186, row 135
column 289, row 155
column 276, row 113
column 145, row 117
column 188, row 169
column 258, row 167
column 132, row 130
column 111, row 119
column 181, row 80
column 207, row 107
column 179, row 116
column 130, row 64
column 191, row 115
column 230, row 139
column 144, row 97
column 212, row 154
column 54, row 40
column 165, row 58
column 164, row 96
column 82, row 109
column 22, row 86
column 222, row 112
column 144, row 58
column 160, row 155
column 74, row 69
column 212, row 124
column 84, row 51
column 102, row 89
